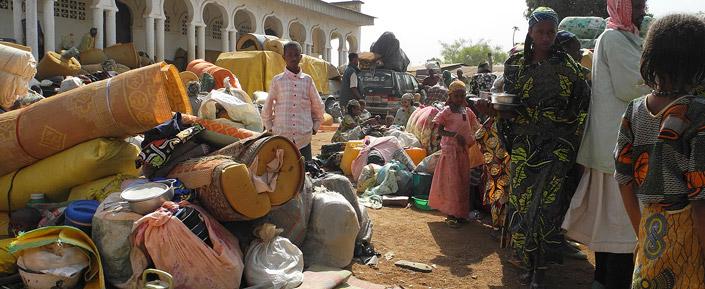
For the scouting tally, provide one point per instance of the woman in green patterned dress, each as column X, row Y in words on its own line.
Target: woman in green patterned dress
column 544, row 142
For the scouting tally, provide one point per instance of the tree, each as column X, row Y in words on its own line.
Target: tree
column 566, row 8
column 466, row 52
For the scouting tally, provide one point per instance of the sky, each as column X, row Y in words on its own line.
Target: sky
column 420, row 25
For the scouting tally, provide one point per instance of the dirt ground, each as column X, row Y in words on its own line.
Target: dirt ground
column 466, row 257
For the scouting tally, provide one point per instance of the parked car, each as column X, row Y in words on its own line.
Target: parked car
column 383, row 89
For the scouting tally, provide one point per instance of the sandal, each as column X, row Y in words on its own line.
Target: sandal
column 452, row 222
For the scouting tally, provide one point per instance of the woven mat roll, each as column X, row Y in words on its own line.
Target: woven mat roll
column 127, row 104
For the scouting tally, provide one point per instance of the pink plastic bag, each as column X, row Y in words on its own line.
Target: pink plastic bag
column 175, row 249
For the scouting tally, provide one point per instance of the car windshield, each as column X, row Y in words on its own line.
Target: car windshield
column 378, row 79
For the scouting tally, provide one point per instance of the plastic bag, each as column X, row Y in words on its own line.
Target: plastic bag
column 293, row 216
column 193, row 263
column 428, row 165
column 333, row 228
column 342, row 185
column 273, row 260
column 238, row 110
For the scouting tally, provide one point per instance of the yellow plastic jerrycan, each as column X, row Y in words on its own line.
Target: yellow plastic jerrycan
column 165, row 280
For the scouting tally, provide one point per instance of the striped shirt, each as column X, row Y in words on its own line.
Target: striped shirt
column 293, row 109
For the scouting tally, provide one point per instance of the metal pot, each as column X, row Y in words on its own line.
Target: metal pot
column 146, row 198
column 504, row 98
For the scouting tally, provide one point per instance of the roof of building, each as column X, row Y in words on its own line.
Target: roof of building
column 333, row 10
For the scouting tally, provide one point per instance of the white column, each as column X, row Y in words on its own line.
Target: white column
column 49, row 37
column 149, row 35
column 202, row 41
column 160, row 40
column 233, row 39
column 98, row 24
column 191, row 38
column 344, row 57
column 327, row 54
column 110, row 33
column 32, row 35
column 308, row 47
column 225, row 37
column 17, row 20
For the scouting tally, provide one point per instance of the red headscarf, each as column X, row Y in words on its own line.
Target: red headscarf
column 620, row 12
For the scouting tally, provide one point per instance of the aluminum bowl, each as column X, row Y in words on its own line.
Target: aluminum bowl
column 146, row 198
column 505, row 98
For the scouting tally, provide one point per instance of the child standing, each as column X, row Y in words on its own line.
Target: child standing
column 293, row 108
column 450, row 188
column 660, row 158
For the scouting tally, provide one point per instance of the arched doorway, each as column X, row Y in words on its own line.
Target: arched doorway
column 273, row 26
column 244, row 22
column 297, row 32
column 123, row 23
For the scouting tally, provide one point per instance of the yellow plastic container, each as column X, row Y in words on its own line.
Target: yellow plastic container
column 352, row 150
column 417, row 154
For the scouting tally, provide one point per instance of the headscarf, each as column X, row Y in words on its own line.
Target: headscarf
column 543, row 14
column 409, row 97
column 563, row 37
column 538, row 15
column 456, row 85
column 620, row 12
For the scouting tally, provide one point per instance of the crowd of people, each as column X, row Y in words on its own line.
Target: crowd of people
column 611, row 158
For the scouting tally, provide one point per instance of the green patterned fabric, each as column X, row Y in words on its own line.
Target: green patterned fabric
column 544, row 141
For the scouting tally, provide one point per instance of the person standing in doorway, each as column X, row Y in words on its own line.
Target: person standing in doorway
column 350, row 85
column 596, row 216
column 293, row 109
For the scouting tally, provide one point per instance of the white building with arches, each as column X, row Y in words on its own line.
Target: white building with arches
column 160, row 27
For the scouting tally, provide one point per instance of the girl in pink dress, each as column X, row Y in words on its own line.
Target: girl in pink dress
column 450, row 189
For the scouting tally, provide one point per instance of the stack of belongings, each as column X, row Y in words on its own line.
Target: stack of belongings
column 246, row 179
column 421, row 125
column 257, row 69
column 63, row 153
column 586, row 29
column 390, row 52
column 384, row 168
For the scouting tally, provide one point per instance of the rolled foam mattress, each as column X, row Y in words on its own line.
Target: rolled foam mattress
column 56, row 175
column 125, row 105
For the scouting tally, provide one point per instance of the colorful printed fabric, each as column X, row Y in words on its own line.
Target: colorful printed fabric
column 669, row 254
column 543, row 141
column 482, row 82
column 158, row 152
column 342, row 133
column 496, row 171
column 664, row 154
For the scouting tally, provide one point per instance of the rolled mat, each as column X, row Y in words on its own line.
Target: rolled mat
column 224, row 188
column 92, row 56
column 53, row 65
column 263, row 148
column 124, row 53
column 56, row 175
column 127, row 104
column 224, row 179
column 221, row 126
column 4, row 224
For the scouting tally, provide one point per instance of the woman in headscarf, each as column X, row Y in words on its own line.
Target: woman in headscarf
column 543, row 143
column 596, row 216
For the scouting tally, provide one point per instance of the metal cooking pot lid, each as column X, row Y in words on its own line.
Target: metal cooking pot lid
column 144, row 192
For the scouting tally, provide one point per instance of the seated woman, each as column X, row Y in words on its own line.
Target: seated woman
column 405, row 111
column 351, row 126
